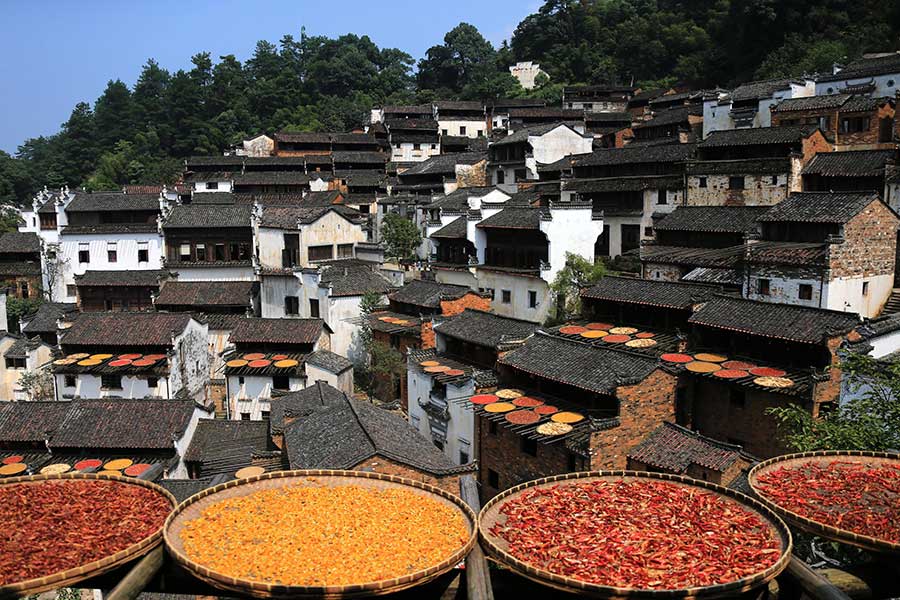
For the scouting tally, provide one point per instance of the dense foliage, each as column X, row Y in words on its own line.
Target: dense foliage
column 316, row 83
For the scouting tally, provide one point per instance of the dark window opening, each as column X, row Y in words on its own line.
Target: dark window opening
column 572, row 463
column 736, row 183
column 212, row 185
column 529, row 446
column 152, row 382
column 805, row 292
column 314, row 309
column 865, row 289
column 84, row 256
column 112, row 256
column 501, row 177
column 462, row 130
column 281, row 382
column 291, row 305
column 492, row 428
column 219, row 250
column 70, row 381
column 532, row 299
column 200, row 250
column 762, row 287
column 345, row 250
column 321, row 252
column 506, row 296
column 702, row 182
column 493, row 479
column 111, row 382
column 463, row 457
column 438, row 444
column 245, row 416
column 662, row 198
column 143, row 255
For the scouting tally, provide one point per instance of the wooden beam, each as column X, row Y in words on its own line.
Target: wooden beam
column 478, row 576
column 139, row 576
column 813, row 584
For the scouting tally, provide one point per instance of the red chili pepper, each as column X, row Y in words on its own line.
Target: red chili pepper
column 58, row 525
column 637, row 534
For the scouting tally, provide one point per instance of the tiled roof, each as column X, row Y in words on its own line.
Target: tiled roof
column 21, row 347
column 756, row 136
column 428, row 293
column 578, row 364
column 514, row 218
column 866, row 67
column 459, row 105
column 650, row 292
column 820, row 207
column 694, row 257
column 780, row 321
column 718, row 219
column 522, row 135
column 20, row 268
column 144, row 423
column 360, row 157
column 415, row 109
column 787, row 253
column 325, row 359
column 305, row 137
column 351, row 277
column 129, row 278
column 662, row 153
column 31, row 421
column 712, row 276
column 14, row 242
column 672, row 116
column 44, row 320
column 342, row 436
column 855, row 163
column 214, row 161
column 546, row 112
column 485, row 329
column 214, row 435
column 206, row 293
column 459, row 198
column 673, row 448
column 112, row 201
column 455, row 229
column 132, row 329
column 302, row 403
column 743, row 166
column 362, row 177
column 290, row 217
column 832, row 102
column 277, row 331
column 444, row 164
column 182, row 489
column 758, row 90
column 208, row 216
column 323, row 198
column 607, row 117
column 427, row 125
column 271, row 178
column 623, row 184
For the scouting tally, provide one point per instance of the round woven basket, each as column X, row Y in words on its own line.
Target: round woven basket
column 193, row 507
column 497, row 548
column 815, row 527
column 71, row 577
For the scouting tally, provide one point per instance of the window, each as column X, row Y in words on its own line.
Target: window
column 737, row 397
column 71, row 291
column 480, row 133
column 152, row 382
column 111, row 382
column 434, row 146
column 736, row 183
column 212, row 185
column 313, row 308
column 702, row 182
column 493, row 479
column 865, row 291
column 520, row 175
column 200, row 249
column 774, row 179
column 417, row 146
column 572, row 463
column 291, row 305
column 501, row 177
column 890, row 83
column 438, row 444
column 281, row 382
column 321, row 252
column 265, row 415
column 143, row 252
column 241, row 380
column 854, row 124
column 184, row 252
column 492, row 428
column 762, row 287
column 532, row 299
column 245, row 416
column 824, row 123
column 529, row 446
column 662, row 197
column 70, row 381
column 505, row 296
column 648, row 232
column 345, row 251
column 219, row 252
column 463, row 457
column 588, row 106
column 24, row 288
column 443, row 132
column 462, row 130
column 15, row 363
column 112, row 254
column 805, row 291
column 84, row 253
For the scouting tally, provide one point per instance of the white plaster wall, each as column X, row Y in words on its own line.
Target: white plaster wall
column 846, row 294
column 892, row 195
column 184, row 442
column 341, row 314
column 404, row 152
column 885, row 344
column 519, row 286
column 272, row 291
column 213, row 273
column 89, row 386
column 460, row 426
column 189, row 369
column 558, row 143
column 885, row 85
column 342, row 382
column 661, row 272
column 784, row 290
column 254, row 394
column 331, row 229
column 222, row 185
column 453, row 127
column 570, row 230
column 457, row 277
column 716, row 116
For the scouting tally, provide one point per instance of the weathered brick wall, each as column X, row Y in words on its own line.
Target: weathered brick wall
column 472, row 175
column 501, row 452
column 759, row 190
column 448, row 483
column 870, row 244
column 450, row 308
column 662, row 272
column 697, row 472
column 642, row 408
column 814, row 144
column 870, row 136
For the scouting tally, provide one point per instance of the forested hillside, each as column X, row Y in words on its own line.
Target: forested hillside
column 139, row 134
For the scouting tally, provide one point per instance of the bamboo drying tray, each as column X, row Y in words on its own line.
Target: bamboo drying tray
column 496, row 547
column 193, row 507
column 815, row 527
column 71, row 577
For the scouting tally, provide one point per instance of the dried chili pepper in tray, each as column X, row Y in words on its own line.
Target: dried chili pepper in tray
column 56, row 525
column 637, row 534
column 853, row 496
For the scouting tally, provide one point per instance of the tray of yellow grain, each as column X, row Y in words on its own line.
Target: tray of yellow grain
column 320, row 534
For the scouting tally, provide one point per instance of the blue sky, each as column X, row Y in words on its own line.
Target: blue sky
column 54, row 54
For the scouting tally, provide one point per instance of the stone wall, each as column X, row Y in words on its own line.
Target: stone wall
column 377, row 464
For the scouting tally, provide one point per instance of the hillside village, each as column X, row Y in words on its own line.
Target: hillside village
column 258, row 314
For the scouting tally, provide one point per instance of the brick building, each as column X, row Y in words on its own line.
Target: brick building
column 683, row 124
column 751, row 167
column 850, row 171
column 847, row 121
column 616, row 397
column 20, row 265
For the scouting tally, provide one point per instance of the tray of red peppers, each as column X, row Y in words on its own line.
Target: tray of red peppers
column 636, row 534
column 60, row 530
column 846, row 496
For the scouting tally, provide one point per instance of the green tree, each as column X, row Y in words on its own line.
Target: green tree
column 37, row 385
column 401, row 236
column 868, row 419
column 579, row 272
column 465, row 58
column 18, row 308
column 114, row 115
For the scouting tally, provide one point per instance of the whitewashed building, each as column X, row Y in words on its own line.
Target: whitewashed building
column 875, row 74
column 750, row 104
column 515, row 158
